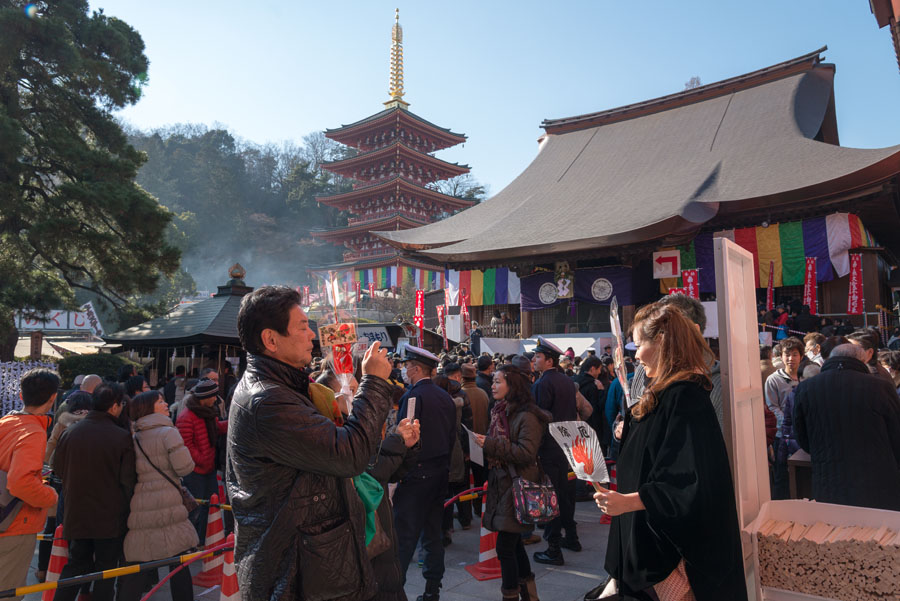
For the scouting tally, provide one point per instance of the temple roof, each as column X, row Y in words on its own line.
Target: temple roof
column 658, row 171
column 400, row 184
column 210, row 321
column 398, row 149
column 390, row 218
column 346, row 134
column 390, row 260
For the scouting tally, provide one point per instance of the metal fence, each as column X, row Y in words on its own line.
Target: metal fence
column 11, row 373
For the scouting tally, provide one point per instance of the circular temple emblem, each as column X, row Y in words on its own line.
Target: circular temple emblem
column 548, row 293
column 601, row 289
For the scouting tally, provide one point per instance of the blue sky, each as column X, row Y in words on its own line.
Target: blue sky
column 272, row 72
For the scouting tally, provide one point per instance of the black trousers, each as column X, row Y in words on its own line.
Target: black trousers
column 479, row 475
column 464, row 508
column 565, row 495
column 132, row 587
column 419, row 510
column 92, row 555
column 513, row 559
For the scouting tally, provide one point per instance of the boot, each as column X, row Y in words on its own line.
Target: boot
column 432, row 591
column 510, row 594
column 528, row 589
column 570, row 543
column 552, row 556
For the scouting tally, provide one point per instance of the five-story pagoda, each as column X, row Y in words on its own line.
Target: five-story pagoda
column 392, row 171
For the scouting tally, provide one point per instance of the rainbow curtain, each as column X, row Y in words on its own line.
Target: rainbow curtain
column 498, row 286
column 786, row 245
column 387, row 277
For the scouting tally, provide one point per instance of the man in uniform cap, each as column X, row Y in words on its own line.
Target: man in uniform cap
column 554, row 392
column 419, row 498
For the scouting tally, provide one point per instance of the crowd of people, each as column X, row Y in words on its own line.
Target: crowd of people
column 337, row 485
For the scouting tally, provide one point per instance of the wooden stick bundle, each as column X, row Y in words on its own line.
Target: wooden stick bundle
column 849, row 563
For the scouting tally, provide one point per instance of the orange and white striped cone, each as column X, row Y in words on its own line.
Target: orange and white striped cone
column 211, row 574
column 230, row 590
column 59, row 557
column 611, row 467
column 488, row 566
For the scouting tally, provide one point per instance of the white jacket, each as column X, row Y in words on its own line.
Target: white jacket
column 158, row 525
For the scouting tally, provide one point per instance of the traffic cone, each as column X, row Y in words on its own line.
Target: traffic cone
column 59, row 557
column 488, row 566
column 211, row 574
column 611, row 467
column 230, row 590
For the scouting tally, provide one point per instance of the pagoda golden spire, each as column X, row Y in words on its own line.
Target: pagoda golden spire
column 396, row 90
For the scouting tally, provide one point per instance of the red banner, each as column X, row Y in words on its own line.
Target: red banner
column 691, row 283
column 855, row 296
column 677, row 291
column 419, row 317
column 464, row 312
column 770, row 292
column 443, row 323
column 809, row 286
column 357, row 285
column 371, row 290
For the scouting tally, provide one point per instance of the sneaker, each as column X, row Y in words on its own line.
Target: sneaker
column 552, row 556
column 570, row 544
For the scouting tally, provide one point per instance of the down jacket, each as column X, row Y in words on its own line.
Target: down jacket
column 526, row 428
column 299, row 523
column 193, row 431
column 158, row 525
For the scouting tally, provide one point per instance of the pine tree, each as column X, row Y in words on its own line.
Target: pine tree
column 71, row 216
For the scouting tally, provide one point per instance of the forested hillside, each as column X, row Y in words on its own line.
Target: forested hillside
column 238, row 201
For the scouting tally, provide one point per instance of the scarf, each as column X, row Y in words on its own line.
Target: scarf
column 499, row 427
column 367, row 487
column 207, row 414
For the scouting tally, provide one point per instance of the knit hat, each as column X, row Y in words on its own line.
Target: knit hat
column 205, row 389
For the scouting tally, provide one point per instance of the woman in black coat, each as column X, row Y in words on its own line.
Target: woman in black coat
column 511, row 445
column 674, row 529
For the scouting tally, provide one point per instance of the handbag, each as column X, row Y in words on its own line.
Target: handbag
column 187, row 499
column 535, row 502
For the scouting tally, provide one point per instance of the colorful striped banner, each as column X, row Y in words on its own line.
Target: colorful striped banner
column 497, row 286
column 787, row 245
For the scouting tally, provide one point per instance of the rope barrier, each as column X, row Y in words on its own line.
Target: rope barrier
column 224, row 546
column 113, row 573
column 466, row 495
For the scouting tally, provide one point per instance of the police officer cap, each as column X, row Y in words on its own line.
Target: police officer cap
column 547, row 348
column 414, row 353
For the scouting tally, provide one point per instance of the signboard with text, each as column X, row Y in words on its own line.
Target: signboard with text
column 666, row 264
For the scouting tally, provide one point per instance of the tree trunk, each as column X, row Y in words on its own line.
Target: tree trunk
column 9, row 336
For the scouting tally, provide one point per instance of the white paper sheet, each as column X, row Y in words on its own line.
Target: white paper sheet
column 476, row 453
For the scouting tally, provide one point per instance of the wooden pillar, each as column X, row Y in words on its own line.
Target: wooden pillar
column 627, row 319
column 525, row 323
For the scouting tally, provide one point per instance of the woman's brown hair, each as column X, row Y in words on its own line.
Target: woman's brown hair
column 519, row 393
column 142, row 404
column 682, row 355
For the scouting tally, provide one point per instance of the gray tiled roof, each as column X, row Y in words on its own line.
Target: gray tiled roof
column 661, row 176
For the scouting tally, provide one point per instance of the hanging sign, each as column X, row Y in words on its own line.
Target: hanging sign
column 464, row 311
column 691, row 283
column 443, row 324
column 809, row 286
column 666, row 264
column 677, row 291
column 371, row 289
column 855, row 296
column 565, row 280
column 419, row 316
column 305, row 295
column 770, row 291
column 358, row 287
column 91, row 315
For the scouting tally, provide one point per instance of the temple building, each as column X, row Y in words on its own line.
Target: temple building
column 394, row 169
column 755, row 158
